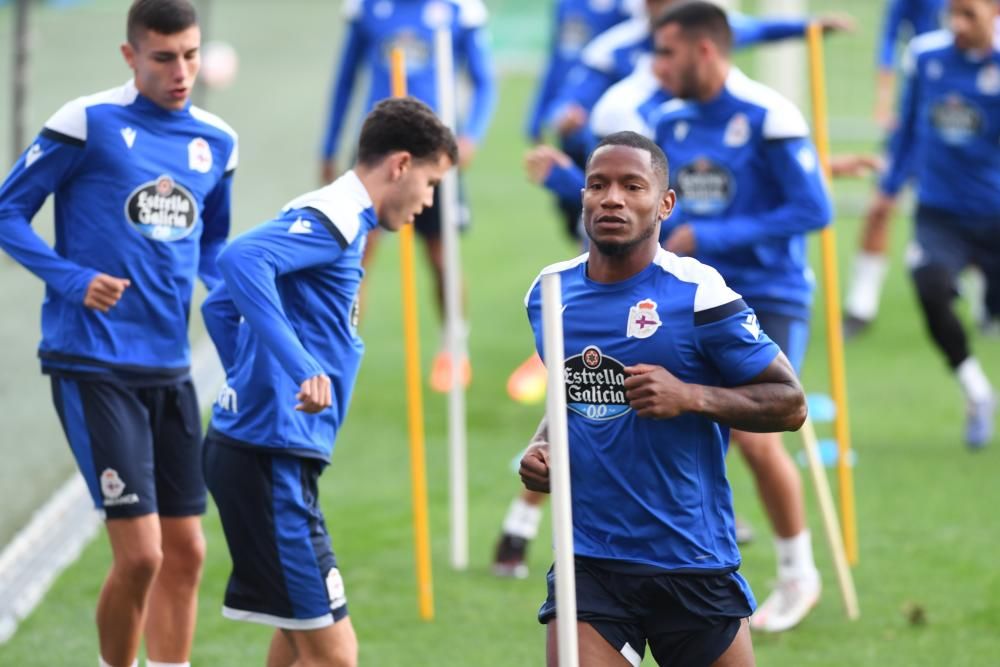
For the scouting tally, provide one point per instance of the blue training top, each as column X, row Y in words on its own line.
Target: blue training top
column 748, row 181
column 141, row 192
column 577, row 22
column 645, row 491
column 375, row 27
column 287, row 312
column 949, row 127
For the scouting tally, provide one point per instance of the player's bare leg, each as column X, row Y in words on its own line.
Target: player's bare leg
column 594, row 650
column 281, row 652
column 441, row 371
column 740, row 652
column 779, row 486
column 173, row 599
column 136, row 559
column 333, row 646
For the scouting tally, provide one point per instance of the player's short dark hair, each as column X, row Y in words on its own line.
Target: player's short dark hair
column 701, row 19
column 635, row 140
column 404, row 124
column 166, row 17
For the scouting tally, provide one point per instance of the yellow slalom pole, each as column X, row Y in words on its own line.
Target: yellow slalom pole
column 834, row 326
column 414, row 395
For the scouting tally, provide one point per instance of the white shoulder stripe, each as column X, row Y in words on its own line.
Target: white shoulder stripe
column 712, row 290
column 558, row 267
column 342, row 202
column 783, row 119
column 600, row 53
column 71, row 119
column 210, row 118
column 472, row 13
column 618, row 108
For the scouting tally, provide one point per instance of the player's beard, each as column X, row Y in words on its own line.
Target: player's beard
column 622, row 248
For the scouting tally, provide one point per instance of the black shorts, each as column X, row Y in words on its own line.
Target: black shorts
column 138, row 448
column 687, row 619
column 428, row 222
column 284, row 570
column 951, row 242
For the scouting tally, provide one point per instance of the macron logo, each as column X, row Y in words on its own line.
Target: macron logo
column 128, row 134
column 752, row 325
column 301, row 226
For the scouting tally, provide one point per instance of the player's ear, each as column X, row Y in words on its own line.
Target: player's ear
column 667, row 202
column 128, row 53
column 399, row 164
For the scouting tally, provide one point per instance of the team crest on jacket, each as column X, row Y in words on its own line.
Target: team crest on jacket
column 643, row 320
column 595, row 385
column 737, row 131
column 200, row 156
column 162, row 210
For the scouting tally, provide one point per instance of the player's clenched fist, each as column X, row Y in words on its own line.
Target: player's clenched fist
column 104, row 292
column 655, row 392
column 534, row 469
column 314, row 395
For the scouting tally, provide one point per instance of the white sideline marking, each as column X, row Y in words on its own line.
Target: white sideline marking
column 67, row 522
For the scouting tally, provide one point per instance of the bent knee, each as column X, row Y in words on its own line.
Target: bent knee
column 139, row 564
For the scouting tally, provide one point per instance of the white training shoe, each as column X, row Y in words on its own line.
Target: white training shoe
column 791, row 601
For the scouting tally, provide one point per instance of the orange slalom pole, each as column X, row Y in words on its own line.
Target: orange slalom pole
column 414, row 393
column 834, row 325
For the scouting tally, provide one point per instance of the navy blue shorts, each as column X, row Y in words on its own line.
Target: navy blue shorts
column 789, row 333
column 284, row 570
column 953, row 242
column 428, row 222
column 138, row 448
column 687, row 619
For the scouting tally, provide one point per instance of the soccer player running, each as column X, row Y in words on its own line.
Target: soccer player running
column 375, row 28
column 142, row 189
column 902, row 17
column 662, row 358
column 749, row 188
column 949, row 127
column 285, row 325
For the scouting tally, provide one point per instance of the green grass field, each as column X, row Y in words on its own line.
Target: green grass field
column 928, row 531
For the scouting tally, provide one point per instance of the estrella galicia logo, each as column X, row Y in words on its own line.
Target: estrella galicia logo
column 956, row 120
column 705, row 187
column 595, row 385
column 162, row 210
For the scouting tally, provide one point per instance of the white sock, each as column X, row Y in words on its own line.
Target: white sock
column 973, row 380
column 522, row 520
column 866, row 285
column 153, row 663
column 104, row 663
column 795, row 556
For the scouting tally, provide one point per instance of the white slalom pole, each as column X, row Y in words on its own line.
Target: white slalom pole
column 562, row 511
column 454, row 322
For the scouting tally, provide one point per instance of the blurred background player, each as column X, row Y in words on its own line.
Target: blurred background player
column 285, row 325
column 749, row 188
column 903, row 20
column 949, row 128
column 622, row 53
column 142, row 190
column 374, row 28
column 658, row 352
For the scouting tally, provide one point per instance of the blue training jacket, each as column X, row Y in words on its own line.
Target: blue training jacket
column 287, row 311
column 141, row 192
column 949, row 127
column 375, row 27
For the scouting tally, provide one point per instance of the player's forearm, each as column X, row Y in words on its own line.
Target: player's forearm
column 767, row 407
column 29, row 250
